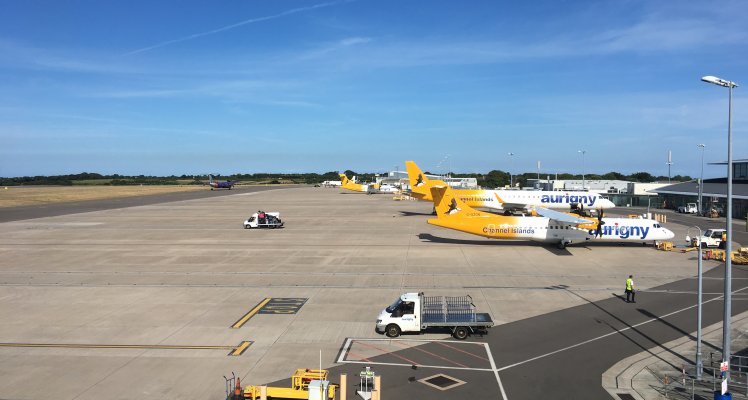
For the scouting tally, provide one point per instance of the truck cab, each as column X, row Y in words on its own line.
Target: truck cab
column 401, row 316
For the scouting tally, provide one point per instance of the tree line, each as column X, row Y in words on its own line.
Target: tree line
column 494, row 178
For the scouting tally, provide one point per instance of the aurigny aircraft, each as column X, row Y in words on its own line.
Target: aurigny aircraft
column 346, row 183
column 550, row 227
column 220, row 185
column 507, row 201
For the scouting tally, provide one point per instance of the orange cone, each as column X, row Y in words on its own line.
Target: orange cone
column 238, row 389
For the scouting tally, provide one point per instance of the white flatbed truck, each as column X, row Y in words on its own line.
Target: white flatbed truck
column 415, row 312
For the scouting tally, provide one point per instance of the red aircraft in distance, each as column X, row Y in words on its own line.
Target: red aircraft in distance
column 220, row 185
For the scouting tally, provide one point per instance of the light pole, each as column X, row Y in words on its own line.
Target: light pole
column 701, row 178
column 511, row 183
column 726, row 342
column 583, row 153
column 699, row 364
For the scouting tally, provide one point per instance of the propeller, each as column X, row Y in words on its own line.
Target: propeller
column 600, row 223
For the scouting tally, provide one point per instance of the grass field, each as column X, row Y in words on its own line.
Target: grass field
column 29, row 195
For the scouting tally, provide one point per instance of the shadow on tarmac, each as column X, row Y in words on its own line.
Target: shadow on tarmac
column 525, row 243
column 637, row 331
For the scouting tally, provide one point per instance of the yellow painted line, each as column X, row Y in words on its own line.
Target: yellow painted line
column 116, row 346
column 240, row 349
column 243, row 320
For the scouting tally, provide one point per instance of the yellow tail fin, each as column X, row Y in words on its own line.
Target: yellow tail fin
column 343, row 180
column 420, row 185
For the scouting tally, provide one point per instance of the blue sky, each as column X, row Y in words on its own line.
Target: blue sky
column 166, row 87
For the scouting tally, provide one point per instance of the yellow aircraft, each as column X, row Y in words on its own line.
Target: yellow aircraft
column 550, row 227
column 346, row 183
column 509, row 200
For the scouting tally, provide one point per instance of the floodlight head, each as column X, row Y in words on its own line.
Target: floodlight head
column 719, row 81
column 701, row 145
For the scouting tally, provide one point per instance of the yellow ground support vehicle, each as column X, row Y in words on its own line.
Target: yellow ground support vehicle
column 303, row 382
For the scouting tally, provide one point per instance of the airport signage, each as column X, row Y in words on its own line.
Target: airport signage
column 283, row 305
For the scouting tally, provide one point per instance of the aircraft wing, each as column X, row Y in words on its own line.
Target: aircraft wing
column 513, row 206
column 561, row 217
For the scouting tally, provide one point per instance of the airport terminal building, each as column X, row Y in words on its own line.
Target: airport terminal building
column 714, row 193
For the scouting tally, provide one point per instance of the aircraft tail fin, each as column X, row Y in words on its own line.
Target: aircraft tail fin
column 343, row 180
column 420, row 185
column 445, row 201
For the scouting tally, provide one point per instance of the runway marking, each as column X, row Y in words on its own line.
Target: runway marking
column 349, row 342
column 360, row 357
column 389, row 353
column 617, row 331
column 463, row 351
column 430, row 353
column 239, row 350
column 283, row 305
column 243, row 320
column 235, row 350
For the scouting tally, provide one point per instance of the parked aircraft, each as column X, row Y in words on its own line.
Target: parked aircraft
column 550, row 227
column 220, row 185
column 331, row 183
column 509, row 200
column 357, row 187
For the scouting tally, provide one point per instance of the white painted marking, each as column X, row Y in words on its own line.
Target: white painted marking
column 495, row 371
column 349, row 343
column 617, row 331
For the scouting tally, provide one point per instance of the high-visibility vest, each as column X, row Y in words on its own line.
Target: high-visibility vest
column 629, row 284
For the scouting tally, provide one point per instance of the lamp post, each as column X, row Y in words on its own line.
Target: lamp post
column 583, row 153
column 701, row 178
column 728, row 246
column 699, row 364
column 511, row 182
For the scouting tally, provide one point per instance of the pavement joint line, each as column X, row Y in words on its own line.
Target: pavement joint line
column 617, row 331
column 243, row 320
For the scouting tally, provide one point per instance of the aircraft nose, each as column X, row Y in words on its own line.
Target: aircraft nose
column 668, row 233
column 608, row 204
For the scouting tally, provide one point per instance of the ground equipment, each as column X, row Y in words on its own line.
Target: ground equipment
column 414, row 312
column 262, row 219
column 711, row 238
column 689, row 208
column 308, row 384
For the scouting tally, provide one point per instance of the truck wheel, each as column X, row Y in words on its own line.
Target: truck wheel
column 392, row 330
column 461, row 333
column 247, row 226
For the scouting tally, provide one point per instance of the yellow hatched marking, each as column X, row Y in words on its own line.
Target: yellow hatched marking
column 240, row 349
column 243, row 320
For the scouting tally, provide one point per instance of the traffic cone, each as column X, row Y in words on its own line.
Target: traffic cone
column 238, row 389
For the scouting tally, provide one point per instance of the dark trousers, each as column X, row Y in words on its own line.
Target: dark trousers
column 630, row 296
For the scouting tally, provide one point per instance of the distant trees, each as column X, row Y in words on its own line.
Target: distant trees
column 493, row 179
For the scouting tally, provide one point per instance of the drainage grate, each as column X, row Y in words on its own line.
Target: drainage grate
column 625, row 396
column 441, row 382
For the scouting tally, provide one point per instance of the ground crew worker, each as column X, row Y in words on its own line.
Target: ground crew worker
column 630, row 293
